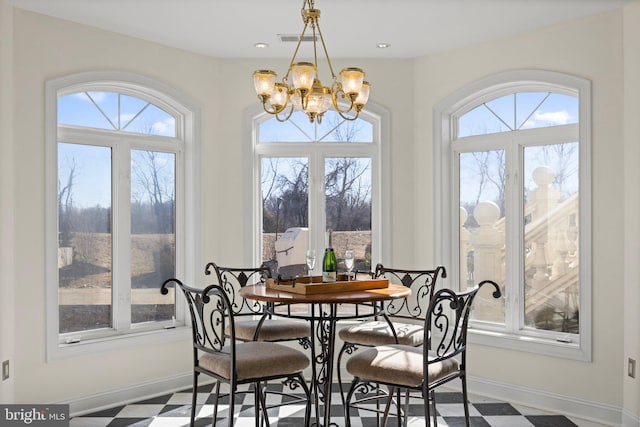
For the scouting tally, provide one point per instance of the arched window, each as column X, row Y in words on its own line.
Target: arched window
column 119, row 154
column 514, row 201
column 311, row 178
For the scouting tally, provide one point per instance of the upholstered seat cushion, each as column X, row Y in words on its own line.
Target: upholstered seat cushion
column 271, row 330
column 256, row 359
column 379, row 333
column 397, row 364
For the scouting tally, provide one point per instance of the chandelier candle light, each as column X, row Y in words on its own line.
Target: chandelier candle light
column 304, row 91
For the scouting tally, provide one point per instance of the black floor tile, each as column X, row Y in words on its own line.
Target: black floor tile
column 496, row 409
column 550, row 421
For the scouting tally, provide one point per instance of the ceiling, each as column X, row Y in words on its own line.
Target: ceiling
column 351, row 28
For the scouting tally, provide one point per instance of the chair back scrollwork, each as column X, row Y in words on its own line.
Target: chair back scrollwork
column 447, row 322
column 422, row 284
column 210, row 310
column 233, row 279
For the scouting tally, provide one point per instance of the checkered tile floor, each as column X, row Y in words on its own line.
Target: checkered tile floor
column 173, row 410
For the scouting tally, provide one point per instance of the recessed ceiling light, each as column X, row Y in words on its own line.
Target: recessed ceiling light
column 383, row 45
column 261, row 45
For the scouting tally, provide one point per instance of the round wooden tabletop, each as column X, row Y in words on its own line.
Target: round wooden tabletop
column 262, row 293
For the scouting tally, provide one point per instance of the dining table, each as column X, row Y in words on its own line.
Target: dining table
column 324, row 310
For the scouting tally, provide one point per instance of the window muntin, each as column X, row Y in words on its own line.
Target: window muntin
column 122, row 299
column 563, row 147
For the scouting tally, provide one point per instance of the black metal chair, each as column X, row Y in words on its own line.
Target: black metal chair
column 403, row 319
column 251, row 315
column 440, row 360
column 217, row 353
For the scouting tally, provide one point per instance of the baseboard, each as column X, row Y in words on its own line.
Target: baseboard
column 560, row 404
column 630, row 420
column 111, row 398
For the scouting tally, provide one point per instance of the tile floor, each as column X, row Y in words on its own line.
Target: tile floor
column 173, row 410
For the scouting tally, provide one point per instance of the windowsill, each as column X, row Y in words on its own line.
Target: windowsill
column 117, row 342
column 545, row 346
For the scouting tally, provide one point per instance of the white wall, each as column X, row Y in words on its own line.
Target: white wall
column 46, row 48
column 631, row 209
column 590, row 48
column 7, row 272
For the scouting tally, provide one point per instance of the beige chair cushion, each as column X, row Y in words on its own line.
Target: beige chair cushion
column 397, row 364
column 271, row 330
column 256, row 360
column 379, row 333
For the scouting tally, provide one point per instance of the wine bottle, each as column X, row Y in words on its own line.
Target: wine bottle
column 329, row 264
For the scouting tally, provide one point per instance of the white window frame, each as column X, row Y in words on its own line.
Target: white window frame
column 123, row 334
column 446, row 114
column 317, row 152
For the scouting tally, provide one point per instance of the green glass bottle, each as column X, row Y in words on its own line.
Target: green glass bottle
column 329, row 264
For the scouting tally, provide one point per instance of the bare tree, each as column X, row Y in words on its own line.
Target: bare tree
column 269, row 178
column 65, row 205
column 155, row 188
column 562, row 158
column 490, row 170
column 345, row 192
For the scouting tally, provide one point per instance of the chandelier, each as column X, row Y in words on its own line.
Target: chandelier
column 304, row 91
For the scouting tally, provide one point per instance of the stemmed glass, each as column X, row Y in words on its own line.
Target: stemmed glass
column 311, row 263
column 349, row 259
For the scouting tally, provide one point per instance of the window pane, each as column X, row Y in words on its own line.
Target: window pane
column 522, row 110
column 84, row 237
column 551, row 238
column 348, row 208
column 556, row 110
column 285, row 204
column 79, row 109
column 141, row 117
column 115, row 111
column 153, row 238
column 482, row 228
column 480, row 121
column 335, row 129
column 299, row 129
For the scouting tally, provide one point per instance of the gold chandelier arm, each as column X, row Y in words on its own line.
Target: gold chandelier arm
column 336, row 92
column 278, row 118
column 273, row 110
column 350, row 118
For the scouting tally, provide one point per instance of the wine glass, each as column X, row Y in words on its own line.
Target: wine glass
column 311, row 263
column 349, row 259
